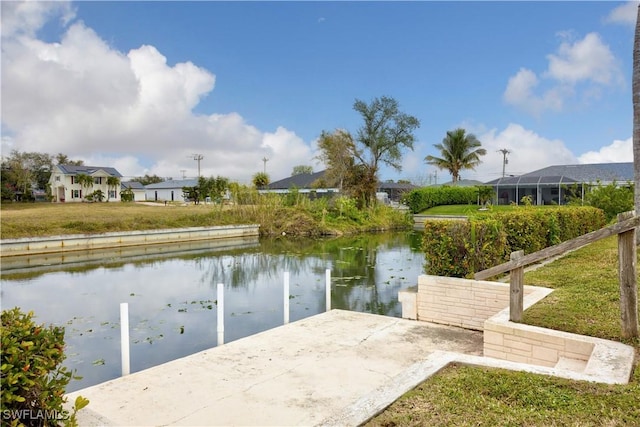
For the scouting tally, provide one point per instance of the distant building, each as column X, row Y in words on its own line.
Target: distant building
column 550, row 185
column 137, row 188
column 303, row 183
column 170, row 190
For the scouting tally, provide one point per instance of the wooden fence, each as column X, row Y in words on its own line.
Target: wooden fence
column 625, row 228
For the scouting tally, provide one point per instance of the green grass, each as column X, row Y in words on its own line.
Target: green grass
column 473, row 209
column 586, row 301
column 23, row 220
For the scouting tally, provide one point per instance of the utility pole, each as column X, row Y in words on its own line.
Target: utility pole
column 183, row 173
column 198, row 157
column 505, row 161
column 265, row 160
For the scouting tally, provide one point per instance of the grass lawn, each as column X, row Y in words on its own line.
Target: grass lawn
column 586, row 301
column 473, row 209
column 49, row 219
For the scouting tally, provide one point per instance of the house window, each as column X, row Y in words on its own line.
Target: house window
column 97, row 180
column 113, row 194
column 58, row 178
column 76, row 194
column 73, row 179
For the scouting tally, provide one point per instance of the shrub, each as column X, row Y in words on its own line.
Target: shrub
column 461, row 248
column 612, row 198
column 33, row 379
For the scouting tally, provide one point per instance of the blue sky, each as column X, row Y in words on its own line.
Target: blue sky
column 143, row 86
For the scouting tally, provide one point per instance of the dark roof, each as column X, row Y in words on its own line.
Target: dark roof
column 134, row 185
column 172, row 183
column 87, row 170
column 302, row 180
column 396, row 186
column 567, row 174
column 607, row 172
column 532, row 180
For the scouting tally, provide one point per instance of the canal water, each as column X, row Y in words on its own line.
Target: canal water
column 171, row 291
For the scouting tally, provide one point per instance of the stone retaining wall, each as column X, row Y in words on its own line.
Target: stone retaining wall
column 42, row 245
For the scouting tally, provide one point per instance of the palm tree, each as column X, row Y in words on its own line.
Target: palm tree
column 85, row 181
column 112, row 182
column 459, row 151
column 636, row 117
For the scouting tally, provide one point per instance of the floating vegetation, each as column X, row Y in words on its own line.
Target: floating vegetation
column 98, row 362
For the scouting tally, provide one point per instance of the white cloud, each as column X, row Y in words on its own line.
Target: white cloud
column 617, row 151
column 520, row 92
column 588, row 59
column 624, row 14
column 131, row 110
column 575, row 73
column 528, row 151
column 25, row 18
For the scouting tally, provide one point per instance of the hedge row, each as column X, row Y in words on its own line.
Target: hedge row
column 424, row 198
column 461, row 248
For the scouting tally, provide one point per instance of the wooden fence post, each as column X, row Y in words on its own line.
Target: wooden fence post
column 628, row 279
column 516, row 288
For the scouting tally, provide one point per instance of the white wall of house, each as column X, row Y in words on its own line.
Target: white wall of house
column 165, row 194
column 65, row 188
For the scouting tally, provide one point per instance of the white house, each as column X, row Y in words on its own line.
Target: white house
column 170, row 190
column 65, row 187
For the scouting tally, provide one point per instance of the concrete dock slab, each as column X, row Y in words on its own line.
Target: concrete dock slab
column 310, row 372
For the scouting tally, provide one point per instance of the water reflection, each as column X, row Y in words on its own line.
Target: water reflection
column 172, row 295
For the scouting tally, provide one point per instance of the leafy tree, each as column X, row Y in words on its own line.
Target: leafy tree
column 260, row 180
column 24, row 172
column 301, row 170
column 459, row 151
column 385, row 133
column 63, row 159
column 214, row 188
column 112, row 182
column 148, row 179
column 127, row 195
column 336, row 152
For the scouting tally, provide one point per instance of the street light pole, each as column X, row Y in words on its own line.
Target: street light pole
column 265, row 160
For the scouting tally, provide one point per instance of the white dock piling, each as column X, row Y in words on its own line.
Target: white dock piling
column 328, row 289
column 220, row 310
column 124, row 338
column 286, row 297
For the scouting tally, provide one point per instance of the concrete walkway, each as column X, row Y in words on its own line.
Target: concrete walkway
column 336, row 368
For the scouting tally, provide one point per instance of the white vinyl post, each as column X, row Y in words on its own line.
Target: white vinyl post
column 328, row 289
column 124, row 338
column 220, row 314
column 286, row 297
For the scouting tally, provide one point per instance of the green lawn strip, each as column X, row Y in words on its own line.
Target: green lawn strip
column 585, row 301
column 474, row 209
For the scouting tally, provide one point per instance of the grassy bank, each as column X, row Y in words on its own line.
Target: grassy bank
column 475, row 209
column 49, row 219
column 586, row 301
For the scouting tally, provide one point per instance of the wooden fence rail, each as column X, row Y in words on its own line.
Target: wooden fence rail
column 625, row 228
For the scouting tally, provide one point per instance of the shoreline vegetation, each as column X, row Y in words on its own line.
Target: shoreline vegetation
column 313, row 219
